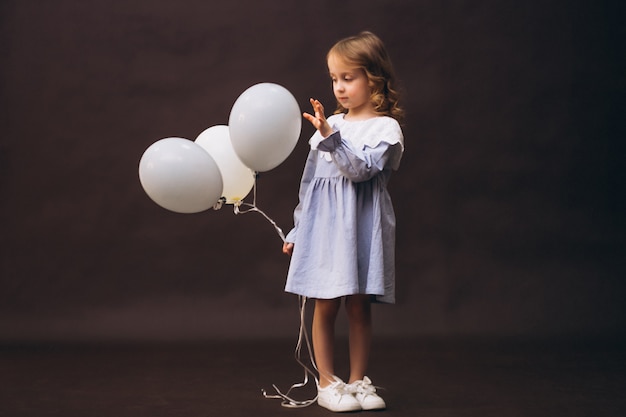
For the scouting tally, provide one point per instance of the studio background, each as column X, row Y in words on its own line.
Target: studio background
column 509, row 200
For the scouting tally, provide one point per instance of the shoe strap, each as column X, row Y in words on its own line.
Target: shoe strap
column 362, row 387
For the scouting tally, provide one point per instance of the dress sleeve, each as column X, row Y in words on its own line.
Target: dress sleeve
column 360, row 165
column 307, row 176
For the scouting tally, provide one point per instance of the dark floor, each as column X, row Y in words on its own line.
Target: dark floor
column 424, row 378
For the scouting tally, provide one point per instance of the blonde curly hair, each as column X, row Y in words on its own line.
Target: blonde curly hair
column 368, row 52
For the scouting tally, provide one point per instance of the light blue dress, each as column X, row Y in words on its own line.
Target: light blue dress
column 344, row 224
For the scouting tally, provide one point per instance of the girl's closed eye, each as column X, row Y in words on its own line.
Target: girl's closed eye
column 343, row 78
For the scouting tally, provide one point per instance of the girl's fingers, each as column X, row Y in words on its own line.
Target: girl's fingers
column 315, row 103
column 318, row 108
column 319, row 119
column 309, row 117
column 287, row 248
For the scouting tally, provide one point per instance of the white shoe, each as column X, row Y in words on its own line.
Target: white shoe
column 365, row 394
column 337, row 397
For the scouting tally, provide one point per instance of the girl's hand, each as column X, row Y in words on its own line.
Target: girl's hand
column 319, row 120
column 288, row 248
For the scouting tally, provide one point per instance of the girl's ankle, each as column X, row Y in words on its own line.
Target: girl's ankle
column 326, row 382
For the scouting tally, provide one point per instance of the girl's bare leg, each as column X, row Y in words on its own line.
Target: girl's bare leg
column 358, row 308
column 323, row 330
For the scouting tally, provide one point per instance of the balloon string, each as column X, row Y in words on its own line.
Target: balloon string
column 255, row 208
column 303, row 338
column 252, row 207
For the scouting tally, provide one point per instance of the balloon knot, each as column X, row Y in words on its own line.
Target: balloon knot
column 219, row 203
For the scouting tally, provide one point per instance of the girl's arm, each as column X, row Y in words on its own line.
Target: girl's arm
column 307, row 176
column 359, row 166
column 356, row 165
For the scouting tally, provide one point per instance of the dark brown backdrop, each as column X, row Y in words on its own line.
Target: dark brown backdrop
column 510, row 199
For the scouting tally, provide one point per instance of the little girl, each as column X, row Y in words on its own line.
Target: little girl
column 343, row 242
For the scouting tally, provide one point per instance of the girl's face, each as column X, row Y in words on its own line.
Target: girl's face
column 350, row 85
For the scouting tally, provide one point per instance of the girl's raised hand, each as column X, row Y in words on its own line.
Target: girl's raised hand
column 318, row 120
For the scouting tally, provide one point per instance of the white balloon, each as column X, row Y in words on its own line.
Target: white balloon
column 238, row 178
column 180, row 176
column 265, row 124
